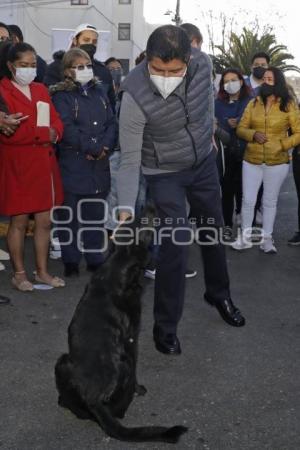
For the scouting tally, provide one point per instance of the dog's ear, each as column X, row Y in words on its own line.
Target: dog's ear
column 147, row 226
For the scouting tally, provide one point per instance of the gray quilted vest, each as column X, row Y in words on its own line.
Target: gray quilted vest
column 179, row 129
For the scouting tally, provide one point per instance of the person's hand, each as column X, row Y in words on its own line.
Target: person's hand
column 123, row 216
column 233, row 123
column 102, row 155
column 53, row 135
column 259, row 137
column 10, row 122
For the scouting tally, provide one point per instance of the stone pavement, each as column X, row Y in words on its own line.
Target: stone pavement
column 236, row 389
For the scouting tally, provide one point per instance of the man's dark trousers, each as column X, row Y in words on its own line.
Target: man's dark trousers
column 200, row 186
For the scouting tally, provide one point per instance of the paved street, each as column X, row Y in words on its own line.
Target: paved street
column 235, row 389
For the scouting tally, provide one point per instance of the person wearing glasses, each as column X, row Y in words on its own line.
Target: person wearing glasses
column 88, row 139
column 86, row 37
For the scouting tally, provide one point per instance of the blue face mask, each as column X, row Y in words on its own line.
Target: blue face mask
column 117, row 76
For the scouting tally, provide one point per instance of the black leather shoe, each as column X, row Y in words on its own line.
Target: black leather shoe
column 71, row 269
column 4, row 300
column 228, row 312
column 168, row 344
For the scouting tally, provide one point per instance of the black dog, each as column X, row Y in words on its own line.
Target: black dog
column 97, row 379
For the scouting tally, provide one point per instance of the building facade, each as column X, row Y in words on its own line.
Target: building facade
column 124, row 19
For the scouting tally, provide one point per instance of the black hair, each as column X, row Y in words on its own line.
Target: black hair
column 192, row 31
column 281, row 89
column 260, row 55
column 11, row 53
column 244, row 92
column 140, row 57
column 168, row 42
column 3, row 25
column 58, row 55
column 112, row 59
column 16, row 30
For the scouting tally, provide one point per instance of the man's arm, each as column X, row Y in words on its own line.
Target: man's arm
column 131, row 129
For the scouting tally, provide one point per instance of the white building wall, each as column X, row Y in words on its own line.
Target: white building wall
column 37, row 22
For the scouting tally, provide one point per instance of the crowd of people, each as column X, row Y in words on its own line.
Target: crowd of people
column 78, row 139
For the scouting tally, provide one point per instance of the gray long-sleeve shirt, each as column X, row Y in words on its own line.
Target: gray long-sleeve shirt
column 131, row 128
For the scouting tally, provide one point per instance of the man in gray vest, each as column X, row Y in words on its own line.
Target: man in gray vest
column 166, row 127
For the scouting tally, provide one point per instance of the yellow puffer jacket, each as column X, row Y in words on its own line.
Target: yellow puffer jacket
column 275, row 124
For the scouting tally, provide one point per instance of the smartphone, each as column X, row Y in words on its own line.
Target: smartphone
column 23, row 118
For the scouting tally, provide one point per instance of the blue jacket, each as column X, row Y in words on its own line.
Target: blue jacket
column 225, row 110
column 89, row 125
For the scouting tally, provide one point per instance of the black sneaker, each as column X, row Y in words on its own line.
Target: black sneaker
column 295, row 240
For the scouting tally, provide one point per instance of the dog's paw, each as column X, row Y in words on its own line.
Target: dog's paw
column 140, row 389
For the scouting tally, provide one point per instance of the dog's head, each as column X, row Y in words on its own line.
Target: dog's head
column 138, row 234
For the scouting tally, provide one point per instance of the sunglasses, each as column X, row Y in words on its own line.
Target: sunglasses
column 83, row 66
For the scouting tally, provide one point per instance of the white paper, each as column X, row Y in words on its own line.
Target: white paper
column 43, row 114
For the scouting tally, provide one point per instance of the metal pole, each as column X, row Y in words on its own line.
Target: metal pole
column 177, row 18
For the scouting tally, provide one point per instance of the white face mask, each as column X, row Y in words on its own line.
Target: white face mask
column 166, row 85
column 25, row 75
column 232, row 87
column 84, row 76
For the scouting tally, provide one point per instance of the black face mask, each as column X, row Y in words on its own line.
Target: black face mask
column 90, row 49
column 266, row 90
column 258, row 72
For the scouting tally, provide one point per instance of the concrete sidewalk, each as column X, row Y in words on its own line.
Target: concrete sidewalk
column 235, row 389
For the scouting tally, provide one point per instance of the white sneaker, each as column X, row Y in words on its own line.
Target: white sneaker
column 55, row 250
column 4, row 256
column 2, row 266
column 268, row 246
column 241, row 244
column 151, row 273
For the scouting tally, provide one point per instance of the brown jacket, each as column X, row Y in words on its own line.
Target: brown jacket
column 275, row 124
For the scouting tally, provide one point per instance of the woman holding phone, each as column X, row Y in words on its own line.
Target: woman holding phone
column 29, row 175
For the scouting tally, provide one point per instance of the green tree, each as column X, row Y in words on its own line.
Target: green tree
column 239, row 49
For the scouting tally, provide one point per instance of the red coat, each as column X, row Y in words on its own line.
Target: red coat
column 29, row 174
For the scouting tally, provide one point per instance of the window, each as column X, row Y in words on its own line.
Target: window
column 79, row 2
column 124, row 32
column 124, row 2
column 125, row 65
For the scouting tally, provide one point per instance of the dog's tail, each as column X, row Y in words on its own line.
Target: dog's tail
column 137, row 434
